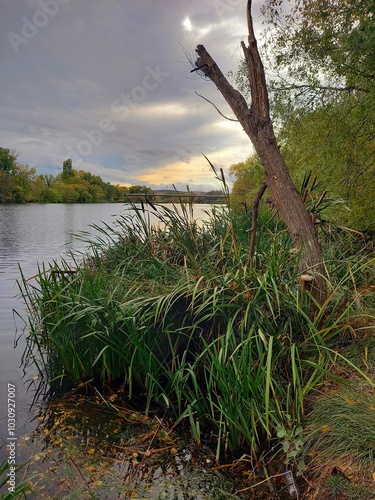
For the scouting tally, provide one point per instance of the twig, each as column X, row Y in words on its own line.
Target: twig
column 217, row 109
column 80, row 474
column 258, row 484
column 254, row 226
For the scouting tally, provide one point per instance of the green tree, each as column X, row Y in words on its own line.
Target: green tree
column 248, row 175
column 67, row 172
column 24, row 177
column 8, row 160
column 324, row 54
column 6, row 187
column 48, row 179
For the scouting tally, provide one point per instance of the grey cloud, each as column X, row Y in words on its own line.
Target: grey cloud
column 64, row 81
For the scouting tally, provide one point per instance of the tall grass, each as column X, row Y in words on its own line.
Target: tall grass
column 178, row 312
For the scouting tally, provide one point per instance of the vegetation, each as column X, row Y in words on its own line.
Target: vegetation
column 181, row 314
column 21, row 184
column 321, row 56
column 17, row 490
column 255, row 119
column 222, row 333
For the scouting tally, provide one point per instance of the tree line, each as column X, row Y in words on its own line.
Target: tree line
column 22, row 184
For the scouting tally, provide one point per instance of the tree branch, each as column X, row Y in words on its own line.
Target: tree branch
column 254, row 226
column 318, row 87
column 235, row 100
column 255, row 69
column 217, row 109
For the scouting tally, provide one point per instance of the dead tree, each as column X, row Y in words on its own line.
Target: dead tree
column 256, row 122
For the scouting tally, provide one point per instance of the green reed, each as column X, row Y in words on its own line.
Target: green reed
column 175, row 310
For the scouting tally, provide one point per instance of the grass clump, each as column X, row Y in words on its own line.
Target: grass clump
column 341, row 424
column 340, row 442
column 178, row 311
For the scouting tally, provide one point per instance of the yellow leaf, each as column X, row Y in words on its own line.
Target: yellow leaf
column 350, row 401
column 325, row 428
column 97, row 483
column 373, row 476
column 91, row 451
column 90, row 468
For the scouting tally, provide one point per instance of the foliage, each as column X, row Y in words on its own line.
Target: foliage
column 178, row 312
column 321, row 58
column 341, row 424
column 21, row 184
column 249, row 175
column 67, row 171
column 8, row 160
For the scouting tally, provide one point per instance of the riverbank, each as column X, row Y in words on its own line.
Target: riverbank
column 227, row 344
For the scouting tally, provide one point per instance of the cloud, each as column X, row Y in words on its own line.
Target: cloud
column 109, row 85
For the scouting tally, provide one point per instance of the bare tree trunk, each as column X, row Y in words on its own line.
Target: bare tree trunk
column 257, row 123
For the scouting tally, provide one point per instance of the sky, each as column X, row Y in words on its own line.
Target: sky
column 107, row 83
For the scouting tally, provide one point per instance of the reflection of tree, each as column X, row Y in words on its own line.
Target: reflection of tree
column 8, row 234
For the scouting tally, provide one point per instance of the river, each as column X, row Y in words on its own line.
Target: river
column 31, row 234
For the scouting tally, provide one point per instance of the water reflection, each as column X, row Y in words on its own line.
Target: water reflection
column 83, row 446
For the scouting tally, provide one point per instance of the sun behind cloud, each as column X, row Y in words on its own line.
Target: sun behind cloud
column 186, row 23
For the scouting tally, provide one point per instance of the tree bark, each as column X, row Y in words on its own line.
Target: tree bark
column 257, row 124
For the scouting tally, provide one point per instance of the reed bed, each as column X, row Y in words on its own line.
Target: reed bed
column 178, row 312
